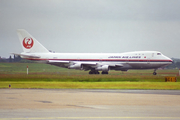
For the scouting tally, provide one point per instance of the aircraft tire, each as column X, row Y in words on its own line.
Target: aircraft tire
column 96, row 72
column 104, row 72
column 90, row 72
column 93, row 72
column 154, row 73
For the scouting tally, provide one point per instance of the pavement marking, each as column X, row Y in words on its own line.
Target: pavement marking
column 90, row 106
column 45, row 118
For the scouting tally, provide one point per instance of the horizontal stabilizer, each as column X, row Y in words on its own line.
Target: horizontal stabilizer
column 26, row 56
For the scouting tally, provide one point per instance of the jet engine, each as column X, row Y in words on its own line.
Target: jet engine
column 77, row 66
column 104, row 68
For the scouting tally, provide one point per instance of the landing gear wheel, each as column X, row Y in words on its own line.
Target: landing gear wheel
column 93, row 72
column 90, row 72
column 154, row 73
column 103, row 72
column 97, row 72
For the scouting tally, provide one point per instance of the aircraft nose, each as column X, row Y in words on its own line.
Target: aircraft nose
column 170, row 60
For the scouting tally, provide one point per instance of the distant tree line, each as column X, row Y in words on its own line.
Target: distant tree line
column 15, row 59
column 175, row 64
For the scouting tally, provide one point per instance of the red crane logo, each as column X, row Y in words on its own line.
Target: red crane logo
column 28, row 43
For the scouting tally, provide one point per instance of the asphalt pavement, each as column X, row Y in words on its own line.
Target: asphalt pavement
column 68, row 104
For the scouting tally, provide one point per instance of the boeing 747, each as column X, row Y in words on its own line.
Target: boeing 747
column 92, row 62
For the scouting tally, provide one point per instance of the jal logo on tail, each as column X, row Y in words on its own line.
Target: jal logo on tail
column 28, row 43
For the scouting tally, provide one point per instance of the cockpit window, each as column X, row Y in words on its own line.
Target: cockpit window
column 158, row 53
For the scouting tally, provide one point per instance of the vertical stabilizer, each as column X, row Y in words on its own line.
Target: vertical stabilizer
column 29, row 43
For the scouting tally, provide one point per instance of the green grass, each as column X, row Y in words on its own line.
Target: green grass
column 93, row 85
column 47, row 76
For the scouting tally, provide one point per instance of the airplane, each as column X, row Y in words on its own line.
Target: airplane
column 92, row 62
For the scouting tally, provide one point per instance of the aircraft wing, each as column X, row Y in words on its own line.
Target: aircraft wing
column 116, row 65
column 58, row 61
column 71, row 62
column 82, row 63
column 66, row 64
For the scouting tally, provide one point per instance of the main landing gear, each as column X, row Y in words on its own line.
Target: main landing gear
column 154, row 73
column 104, row 72
column 93, row 72
column 96, row 72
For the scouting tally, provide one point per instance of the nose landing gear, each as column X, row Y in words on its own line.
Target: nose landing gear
column 154, row 73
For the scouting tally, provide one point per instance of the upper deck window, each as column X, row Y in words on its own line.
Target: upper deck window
column 158, row 53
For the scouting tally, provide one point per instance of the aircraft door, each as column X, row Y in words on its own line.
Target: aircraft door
column 149, row 59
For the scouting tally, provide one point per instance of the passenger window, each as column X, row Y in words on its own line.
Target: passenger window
column 158, row 53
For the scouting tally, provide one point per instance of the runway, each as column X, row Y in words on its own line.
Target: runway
column 65, row 104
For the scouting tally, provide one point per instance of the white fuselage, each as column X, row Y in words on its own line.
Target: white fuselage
column 129, row 60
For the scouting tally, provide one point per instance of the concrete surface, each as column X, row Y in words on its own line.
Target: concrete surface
column 52, row 104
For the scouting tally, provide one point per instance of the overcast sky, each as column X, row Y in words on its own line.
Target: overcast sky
column 92, row 26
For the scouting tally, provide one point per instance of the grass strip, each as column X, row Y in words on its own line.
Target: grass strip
column 93, row 85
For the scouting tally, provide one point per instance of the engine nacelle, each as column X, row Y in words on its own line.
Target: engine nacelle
column 104, row 68
column 76, row 66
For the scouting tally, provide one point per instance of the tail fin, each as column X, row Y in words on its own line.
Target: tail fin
column 29, row 43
